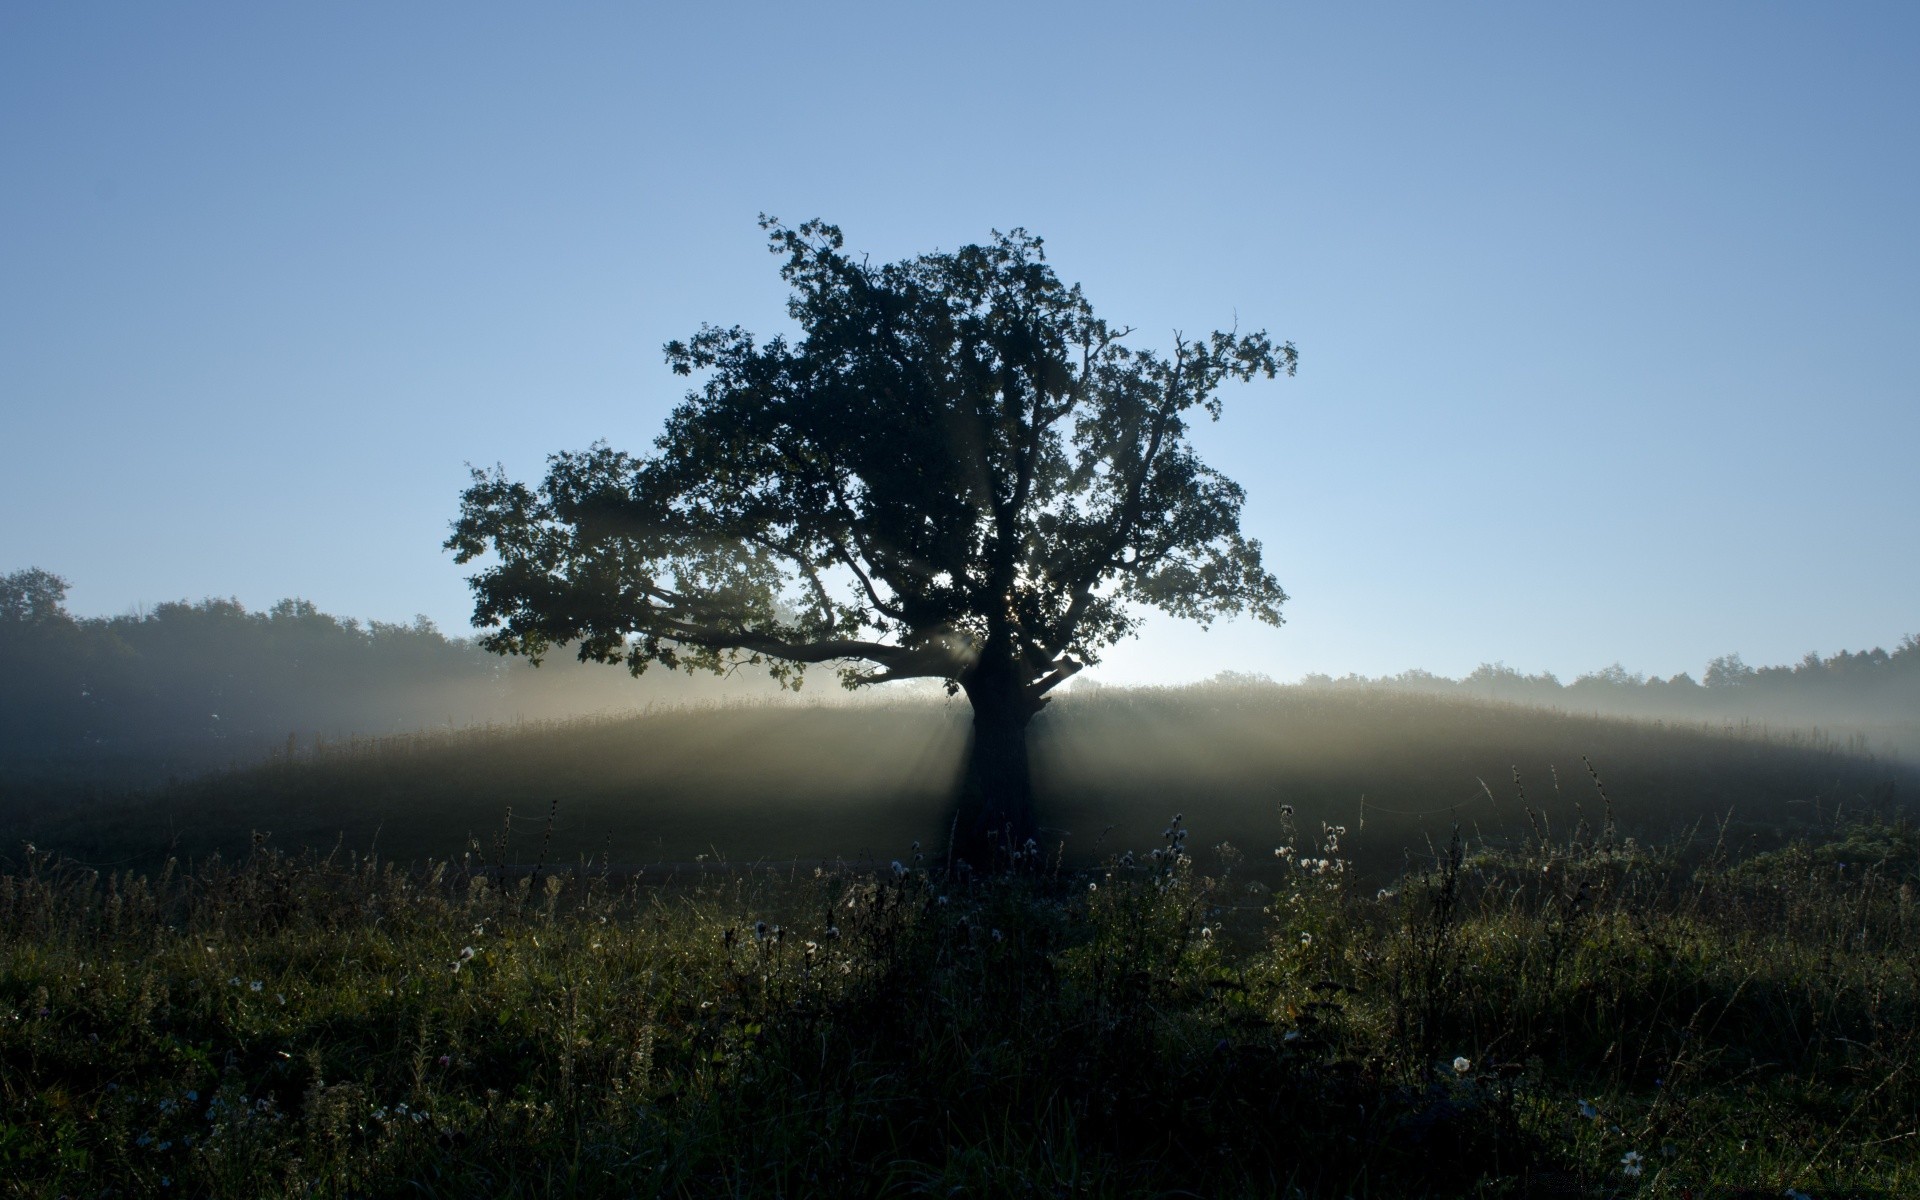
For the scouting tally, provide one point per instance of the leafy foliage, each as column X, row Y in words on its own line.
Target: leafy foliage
column 957, row 470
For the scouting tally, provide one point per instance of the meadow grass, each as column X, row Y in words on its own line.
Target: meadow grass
column 1571, row 1014
column 781, row 783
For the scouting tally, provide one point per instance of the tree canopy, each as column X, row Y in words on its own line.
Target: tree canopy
column 956, row 454
column 956, row 471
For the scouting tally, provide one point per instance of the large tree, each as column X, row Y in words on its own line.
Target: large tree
column 956, row 472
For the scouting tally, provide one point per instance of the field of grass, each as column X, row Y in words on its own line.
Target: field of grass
column 1568, row 1018
column 1547, row 955
column 805, row 784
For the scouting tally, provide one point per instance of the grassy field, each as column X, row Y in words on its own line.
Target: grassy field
column 805, row 784
column 1567, row 1018
column 1548, row 955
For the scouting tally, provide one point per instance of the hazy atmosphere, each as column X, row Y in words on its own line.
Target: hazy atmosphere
column 857, row 600
column 1604, row 315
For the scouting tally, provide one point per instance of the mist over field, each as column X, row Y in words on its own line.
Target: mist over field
column 190, row 727
column 1241, row 600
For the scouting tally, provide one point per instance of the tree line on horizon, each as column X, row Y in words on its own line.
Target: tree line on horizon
column 232, row 682
column 1868, row 689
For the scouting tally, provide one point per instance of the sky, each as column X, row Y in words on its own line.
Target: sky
column 1606, row 313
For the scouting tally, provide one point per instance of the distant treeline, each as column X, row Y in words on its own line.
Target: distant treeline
column 207, row 683
column 220, row 682
column 1868, row 690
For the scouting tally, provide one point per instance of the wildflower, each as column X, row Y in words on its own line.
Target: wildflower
column 1206, row 933
column 467, row 953
column 1286, row 810
column 1306, row 939
column 1462, row 1064
column 280, row 997
column 256, row 985
column 1797, row 1194
column 193, row 1097
column 1630, row 1164
column 899, row 871
column 1589, row 1111
column 833, row 931
column 446, row 1060
column 916, row 847
column 234, row 982
column 1093, row 887
column 759, row 931
column 939, row 899
column 1291, row 1035
column 998, row 936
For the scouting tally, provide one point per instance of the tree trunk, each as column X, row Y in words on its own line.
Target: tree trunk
column 994, row 814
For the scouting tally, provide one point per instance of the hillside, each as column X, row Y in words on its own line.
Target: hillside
column 785, row 783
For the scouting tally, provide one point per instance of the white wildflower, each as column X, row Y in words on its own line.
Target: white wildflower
column 1462, row 1064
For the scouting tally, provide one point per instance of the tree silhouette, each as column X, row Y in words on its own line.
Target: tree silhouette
column 32, row 597
column 956, row 472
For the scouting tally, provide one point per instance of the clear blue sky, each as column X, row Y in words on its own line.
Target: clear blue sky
column 1607, row 314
